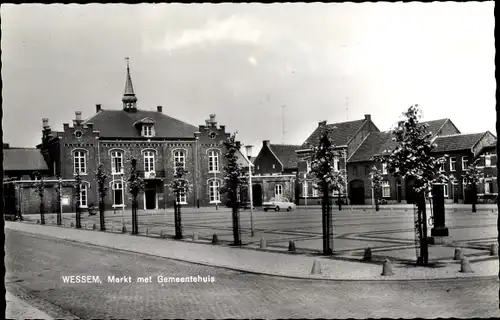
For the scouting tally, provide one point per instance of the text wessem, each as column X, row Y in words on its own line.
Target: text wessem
column 81, row 279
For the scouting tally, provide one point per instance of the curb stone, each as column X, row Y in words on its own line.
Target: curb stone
column 242, row 269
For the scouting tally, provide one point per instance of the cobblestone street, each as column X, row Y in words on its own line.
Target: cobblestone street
column 35, row 266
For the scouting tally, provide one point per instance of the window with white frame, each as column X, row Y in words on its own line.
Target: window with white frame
column 304, row 189
column 445, row 188
column 80, row 162
column 336, row 164
column 213, row 189
column 83, row 195
column 386, row 189
column 278, row 191
column 441, row 167
column 181, row 198
column 453, row 164
column 487, row 160
column 116, row 162
column 465, row 161
column 147, row 130
column 179, row 157
column 488, row 186
column 315, row 190
column 118, row 193
column 149, row 161
column 384, row 168
column 213, row 161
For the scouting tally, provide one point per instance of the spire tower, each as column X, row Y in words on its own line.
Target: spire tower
column 129, row 99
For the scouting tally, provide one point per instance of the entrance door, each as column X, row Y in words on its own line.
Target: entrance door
column 150, row 195
column 257, row 195
column 357, row 194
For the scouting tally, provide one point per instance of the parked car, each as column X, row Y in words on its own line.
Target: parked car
column 278, row 204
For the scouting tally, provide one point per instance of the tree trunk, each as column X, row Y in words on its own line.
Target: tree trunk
column 326, row 221
column 177, row 218
column 135, row 227
column 101, row 214
column 474, row 198
column 42, row 209
column 377, row 208
column 424, row 250
column 340, row 202
column 236, row 224
column 59, row 205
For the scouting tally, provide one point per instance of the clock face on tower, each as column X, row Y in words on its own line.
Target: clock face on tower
column 212, row 135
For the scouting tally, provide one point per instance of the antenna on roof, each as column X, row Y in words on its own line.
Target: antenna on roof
column 283, row 123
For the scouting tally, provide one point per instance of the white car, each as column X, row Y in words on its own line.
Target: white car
column 278, row 204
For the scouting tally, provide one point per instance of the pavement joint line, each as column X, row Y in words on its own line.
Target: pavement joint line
column 241, row 269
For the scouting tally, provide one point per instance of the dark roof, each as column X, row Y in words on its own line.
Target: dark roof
column 286, row 154
column 457, row 142
column 378, row 143
column 373, row 145
column 435, row 125
column 340, row 133
column 120, row 124
column 23, row 159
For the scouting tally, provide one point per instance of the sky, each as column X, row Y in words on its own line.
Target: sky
column 263, row 69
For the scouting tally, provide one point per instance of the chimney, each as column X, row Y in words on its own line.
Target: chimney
column 201, row 127
column 97, row 108
column 159, row 108
column 90, row 126
column 266, row 143
column 45, row 123
column 66, row 126
column 368, row 117
column 322, row 123
column 213, row 122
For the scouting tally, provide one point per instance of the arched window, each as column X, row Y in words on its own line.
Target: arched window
column 83, row 194
column 116, row 162
column 80, row 162
column 118, row 193
column 179, row 157
column 278, row 191
column 149, row 161
column 213, row 161
column 213, row 190
column 181, row 198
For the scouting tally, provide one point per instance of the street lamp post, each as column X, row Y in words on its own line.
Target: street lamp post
column 250, row 187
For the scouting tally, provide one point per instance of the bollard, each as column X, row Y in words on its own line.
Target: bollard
column 124, row 229
column 161, row 234
column 263, row 243
column 494, row 249
column 72, row 225
column 316, row 269
column 147, row 231
column 195, row 236
column 465, row 266
column 38, row 221
column 94, row 227
column 291, row 246
column 215, row 239
column 459, row 255
column 367, row 255
column 387, row 268
column 493, row 210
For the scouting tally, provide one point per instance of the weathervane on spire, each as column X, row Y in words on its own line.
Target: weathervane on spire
column 127, row 58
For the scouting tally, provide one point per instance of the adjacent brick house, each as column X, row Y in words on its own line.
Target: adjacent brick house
column 20, row 168
column 156, row 140
column 275, row 169
column 346, row 136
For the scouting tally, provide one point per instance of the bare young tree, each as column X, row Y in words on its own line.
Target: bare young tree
column 102, row 190
column 40, row 191
column 135, row 187
column 180, row 187
column 472, row 176
column 376, row 179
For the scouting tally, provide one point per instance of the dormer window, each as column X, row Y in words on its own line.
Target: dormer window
column 147, row 130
